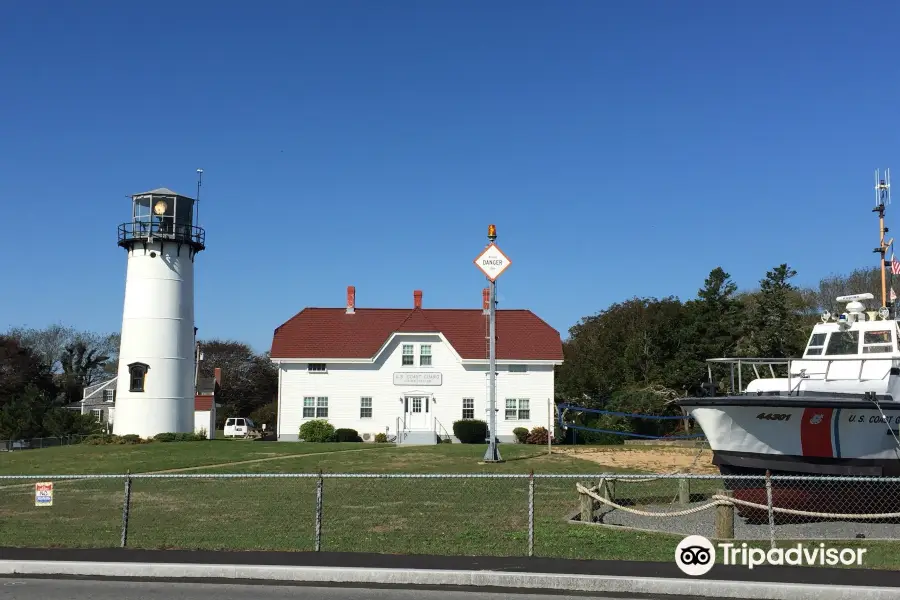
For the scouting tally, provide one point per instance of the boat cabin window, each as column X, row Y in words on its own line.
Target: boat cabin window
column 843, row 342
column 816, row 344
column 875, row 342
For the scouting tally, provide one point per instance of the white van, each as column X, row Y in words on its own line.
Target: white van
column 239, row 427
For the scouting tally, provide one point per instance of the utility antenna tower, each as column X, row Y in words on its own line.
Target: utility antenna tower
column 882, row 199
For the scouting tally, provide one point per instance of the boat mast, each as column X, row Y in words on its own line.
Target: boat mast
column 882, row 198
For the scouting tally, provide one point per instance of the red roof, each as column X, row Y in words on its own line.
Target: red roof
column 203, row 403
column 322, row 333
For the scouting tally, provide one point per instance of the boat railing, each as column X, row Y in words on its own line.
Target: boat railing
column 737, row 366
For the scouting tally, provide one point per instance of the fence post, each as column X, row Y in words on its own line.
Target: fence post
column 587, row 509
column 771, row 507
column 531, row 513
column 126, row 508
column 684, row 490
column 725, row 517
column 319, row 483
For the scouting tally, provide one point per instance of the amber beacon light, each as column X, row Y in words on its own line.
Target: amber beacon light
column 492, row 231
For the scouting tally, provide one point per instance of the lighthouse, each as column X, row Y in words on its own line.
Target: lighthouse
column 155, row 385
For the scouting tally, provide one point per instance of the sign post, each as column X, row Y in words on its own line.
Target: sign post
column 492, row 263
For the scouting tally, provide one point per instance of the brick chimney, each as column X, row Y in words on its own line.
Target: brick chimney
column 417, row 299
column 218, row 376
column 351, row 299
column 486, row 300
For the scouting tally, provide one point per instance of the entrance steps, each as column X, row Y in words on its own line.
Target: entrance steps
column 417, row 438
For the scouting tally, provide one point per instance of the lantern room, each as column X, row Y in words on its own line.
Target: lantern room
column 162, row 215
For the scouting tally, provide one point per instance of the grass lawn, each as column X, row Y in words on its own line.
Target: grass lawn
column 156, row 456
column 390, row 515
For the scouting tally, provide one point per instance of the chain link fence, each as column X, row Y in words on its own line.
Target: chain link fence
column 605, row 516
column 42, row 442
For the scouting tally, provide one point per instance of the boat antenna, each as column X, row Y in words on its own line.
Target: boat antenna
column 199, row 183
column 882, row 199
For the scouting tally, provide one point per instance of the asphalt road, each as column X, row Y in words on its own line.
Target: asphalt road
column 70, row 589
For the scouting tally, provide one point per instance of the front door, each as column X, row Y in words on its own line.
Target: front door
column 417, row 411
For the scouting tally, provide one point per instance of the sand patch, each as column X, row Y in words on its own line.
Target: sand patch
column 655, row 460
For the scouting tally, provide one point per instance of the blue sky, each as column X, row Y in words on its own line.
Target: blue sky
column 621, row 149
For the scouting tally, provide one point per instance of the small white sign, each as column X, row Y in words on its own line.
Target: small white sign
column 43, row 494
column 492, row 262
column 428, row 378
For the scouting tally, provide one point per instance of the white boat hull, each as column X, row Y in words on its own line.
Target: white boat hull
column 750, row 436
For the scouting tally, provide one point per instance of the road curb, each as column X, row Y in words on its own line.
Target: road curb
column 701, row 587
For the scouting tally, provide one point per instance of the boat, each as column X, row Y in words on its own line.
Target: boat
column 834, row 412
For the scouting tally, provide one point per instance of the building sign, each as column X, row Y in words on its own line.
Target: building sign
column 43, row 494
column 417, row 379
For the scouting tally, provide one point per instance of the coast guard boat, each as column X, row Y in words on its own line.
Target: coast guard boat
column 835, row 411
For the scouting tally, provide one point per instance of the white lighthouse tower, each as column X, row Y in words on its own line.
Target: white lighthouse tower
column 155, row 386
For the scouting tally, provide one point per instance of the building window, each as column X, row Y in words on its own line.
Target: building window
column 309, row 407
column 109, row 395
column 138, row 373
column 408, row 357
column 316, row 368
column 365, row 408
column 468, row 411
column 98, row 413
column 321, row 408
column 517, row 409
column 425, row 355
column 518, row 368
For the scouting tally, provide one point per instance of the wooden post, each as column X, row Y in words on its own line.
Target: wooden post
column 725, row 518
column 587, row 509
column 684, row 491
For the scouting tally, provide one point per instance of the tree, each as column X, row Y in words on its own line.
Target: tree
column 77, row 358
column 714, row 327
column 631, row 344
column 82, row 366
column 61, row 422
column 21, row 415
column 20, row 367
column 249, row 380
column 859, row 281
column 775, row 321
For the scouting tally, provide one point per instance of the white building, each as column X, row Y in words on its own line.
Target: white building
column 412, row 371
column 155, row 385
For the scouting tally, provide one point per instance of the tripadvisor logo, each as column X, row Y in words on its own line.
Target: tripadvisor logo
column 695, row 555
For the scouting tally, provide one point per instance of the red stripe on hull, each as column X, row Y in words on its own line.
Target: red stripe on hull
column 824, row 498
column 815, row 432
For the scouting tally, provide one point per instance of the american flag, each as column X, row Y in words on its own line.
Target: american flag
column 895, row 265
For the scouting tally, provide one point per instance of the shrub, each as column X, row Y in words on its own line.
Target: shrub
column 318, row 430
column 347, row 435
column 609, row 423
column 97, row 439
column 521, row 434
column 470, row 431
column 538, row 435
column 131, row 438
column 380, row 438
column 187, row 436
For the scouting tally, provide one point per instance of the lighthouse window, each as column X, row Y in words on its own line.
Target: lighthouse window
column 137, row 373
column 843, row 342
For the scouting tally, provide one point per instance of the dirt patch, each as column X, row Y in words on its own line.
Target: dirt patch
column 655, row 460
